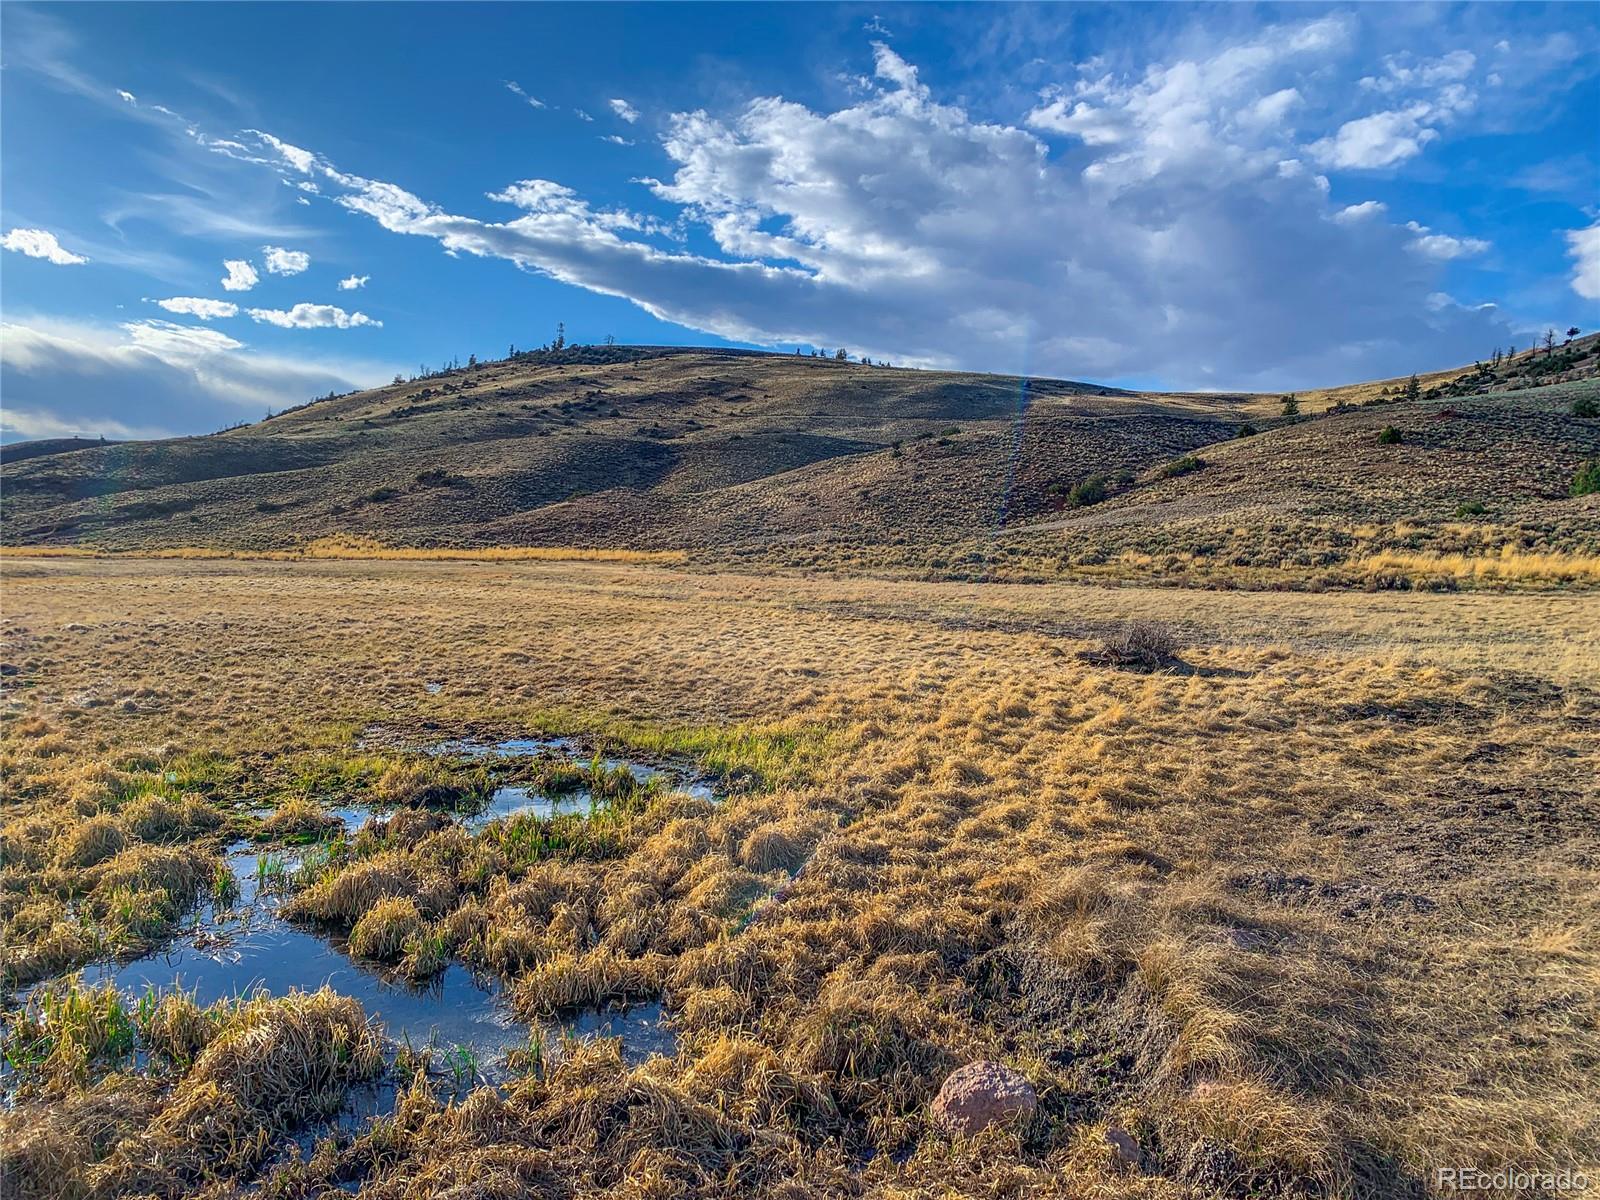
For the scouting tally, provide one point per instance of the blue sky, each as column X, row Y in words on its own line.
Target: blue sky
column 1195, row 197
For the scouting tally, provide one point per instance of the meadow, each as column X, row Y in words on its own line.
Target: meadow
column 1304, row 906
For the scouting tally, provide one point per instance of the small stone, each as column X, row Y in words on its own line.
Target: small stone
column 980, row 1094
column 1124, row 1147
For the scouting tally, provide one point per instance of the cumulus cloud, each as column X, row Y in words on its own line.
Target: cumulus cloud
column 1226, row 111
column 198, row 306
column 1583, row 245
column 40, row 243
column 241, row 276
column 1441, row 247
column 149, row 379
column 311, row 316
column 285, row 262
column 1393, row 135
column 616, row 140
column 1176, row 236
column 352, row 282
column 1364, row 211
column 1379, row 140
column 623, row 109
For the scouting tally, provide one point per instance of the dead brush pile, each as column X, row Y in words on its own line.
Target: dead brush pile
column 1138, row 645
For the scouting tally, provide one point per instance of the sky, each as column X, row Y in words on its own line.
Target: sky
column 210, row 211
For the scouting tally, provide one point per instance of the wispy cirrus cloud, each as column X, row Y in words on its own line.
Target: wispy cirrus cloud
column 150, row 378
column 515, row 89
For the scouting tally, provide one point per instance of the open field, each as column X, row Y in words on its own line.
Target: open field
column 1309, row 910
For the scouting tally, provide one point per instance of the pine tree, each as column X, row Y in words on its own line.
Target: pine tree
column 1413, row 390
column 1291, row 406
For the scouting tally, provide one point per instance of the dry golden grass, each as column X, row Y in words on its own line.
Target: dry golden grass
column 1309, row 911
column 1508, row 565
column 369, row 548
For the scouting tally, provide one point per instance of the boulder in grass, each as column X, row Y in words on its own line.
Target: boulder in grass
column 982, row 1094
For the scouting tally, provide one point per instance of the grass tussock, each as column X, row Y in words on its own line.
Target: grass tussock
column 298, row 819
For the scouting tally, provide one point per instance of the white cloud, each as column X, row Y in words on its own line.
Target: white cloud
column 40, row 243
column 1400, row 74
column 623, row 109
column 615, row 140
column 1379, row 140
column 1583, row 245
column 1393, row 135
column 353, row 282
column 127, row 96
column 241, row 276
column 285, row 262
column 1366, row 210
column 150, row 379
column 1441, row 247
column 312, row 316
column 581, row 115
column 300, row 160
column 197, row 306
column 516, row 89
column 1272, row 110
column 1182, row 241
column 1223, row 113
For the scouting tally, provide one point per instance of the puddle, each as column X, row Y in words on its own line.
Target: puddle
column 676, row 778
column 238, row 949
column 235, row 950
column 512, row 799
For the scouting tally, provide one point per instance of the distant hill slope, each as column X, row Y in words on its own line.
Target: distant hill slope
column 17, row 451
column 808, row 461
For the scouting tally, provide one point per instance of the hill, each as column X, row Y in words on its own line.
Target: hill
column 806, row 462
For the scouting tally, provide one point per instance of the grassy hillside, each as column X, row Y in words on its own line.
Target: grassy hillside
column 808, row 462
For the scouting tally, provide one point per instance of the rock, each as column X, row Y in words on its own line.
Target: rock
column 980, row 1094
column 1124, row 1147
